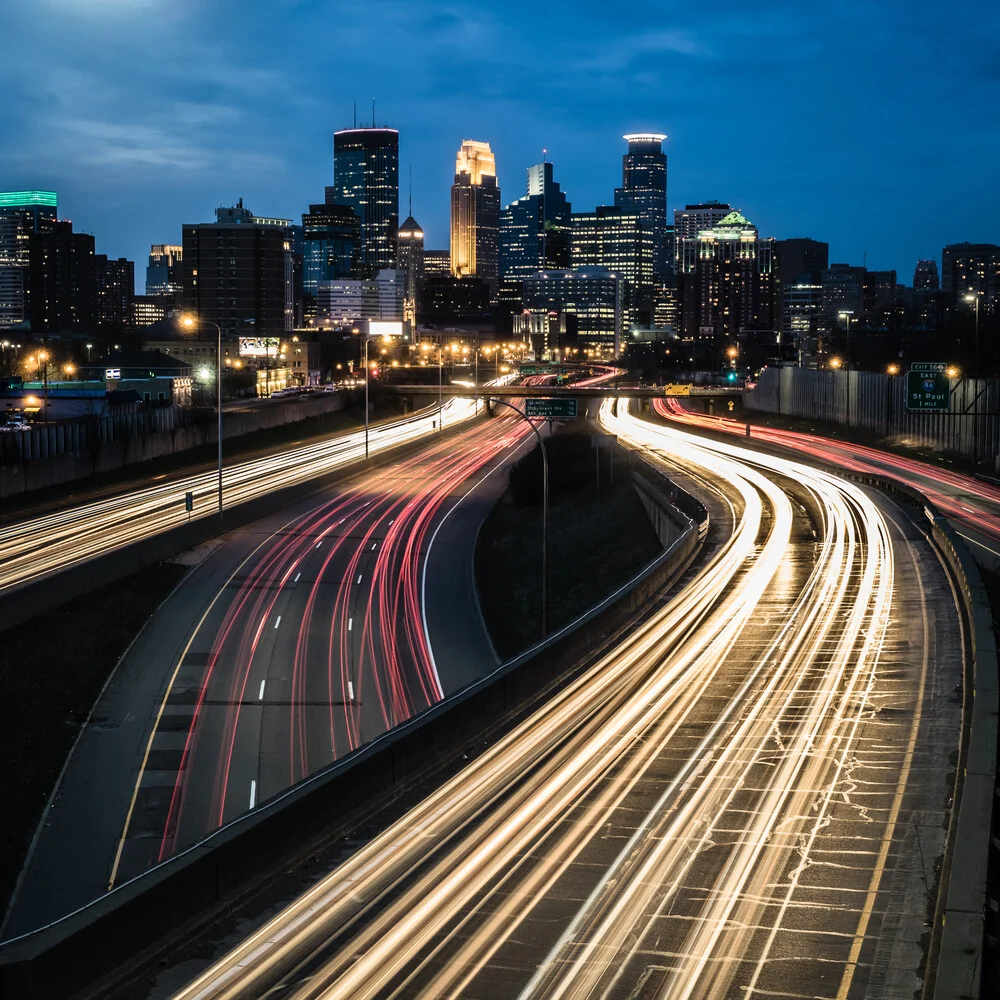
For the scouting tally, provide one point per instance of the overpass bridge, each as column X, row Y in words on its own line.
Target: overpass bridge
column 570, row 391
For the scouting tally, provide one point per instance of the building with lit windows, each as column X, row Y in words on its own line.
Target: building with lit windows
column 614, row 239
column 691, row 220
column 728, row 288
column 843, row 292
column 925, row 276
column 971, row 269
column 802, row 326
column 60, row 279
column 644, row 191
column 114, row 293
column 366, row 180
column 350, row 300
column 163, row 271
column 22, row 213
column 331, row 249
column 587, row 306
column 534, row 230
column 475, row 214
column 237, row 272
column 410, row 242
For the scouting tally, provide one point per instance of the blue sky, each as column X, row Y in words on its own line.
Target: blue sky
column 872, row 125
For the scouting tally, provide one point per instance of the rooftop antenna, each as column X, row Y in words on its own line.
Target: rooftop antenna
column 373, row 112
column 544, row 151
column 355, row 114
column 411, row 190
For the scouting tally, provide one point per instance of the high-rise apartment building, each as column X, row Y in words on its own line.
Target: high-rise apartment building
column 410, row 241
column 60, row 279
column 534, row 229
column 728, row 286
column 925, row 276
column 114, row 293
column 971, row 269
column 163, row 272
column 692, row 220
column 644, row 191
column 22, row 213
column 331, row 248
column 843, row 292
column 366, row 179
column 238, row 272
column 475, row 214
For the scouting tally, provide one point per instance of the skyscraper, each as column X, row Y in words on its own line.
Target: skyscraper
column 411, row 263
column 238, row 271
column 21, row 214
column 60, row 279
column 331, row 248
column 971, row 268
column 163, row 272
column 613, row 238
column 366, row 179
column 534, row 230
column 925, row 276
column 114, row 293
column 475, row 214
column 691, row 221
column 644, row 191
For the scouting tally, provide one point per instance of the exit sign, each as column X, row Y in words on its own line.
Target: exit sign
column 551, row 409
column 927, row 391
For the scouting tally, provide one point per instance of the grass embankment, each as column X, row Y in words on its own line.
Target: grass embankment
column 596, row 542
column 52, row 670
column 300, row 432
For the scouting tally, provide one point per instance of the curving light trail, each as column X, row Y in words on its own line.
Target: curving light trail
column 772, row 667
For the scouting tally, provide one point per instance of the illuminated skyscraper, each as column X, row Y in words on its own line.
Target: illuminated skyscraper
column 411, row 263
column 644, row 191
column 21, row 214
column 163, row 272
column 925, row 276
column 366, row 179
column 692, row 220
column 475, row 213
column 331, row 248
column 534, row 230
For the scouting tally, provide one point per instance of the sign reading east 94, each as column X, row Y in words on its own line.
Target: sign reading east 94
column 929, row 391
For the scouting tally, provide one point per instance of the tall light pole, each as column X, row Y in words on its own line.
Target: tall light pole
column 846, row 314
column 192, row 323
column 974, row 297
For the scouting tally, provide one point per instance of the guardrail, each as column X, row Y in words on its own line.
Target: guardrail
column 96, row 949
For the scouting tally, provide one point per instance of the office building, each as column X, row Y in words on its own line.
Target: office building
column 447, row 300
column 879, row 300
column 437, row 264
column 410, row 242
column 60, row 279
column 534, row 229
column 971, row 268
column 163, row 272
column 801, row 256
column 331, row 249
column 611, row 238
column 728, row 287
column 475, row 214
column 147, row 310
column 802, row 325
column 344, row 301
column 237, row 272
column 366, row 180
column 587, row 305
column 843, row 291
column 114, row 293
column 22, row 213
column 692, row 220
column 644, row 191
column 925, row 276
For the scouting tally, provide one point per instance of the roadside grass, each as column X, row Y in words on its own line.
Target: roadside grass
column 52, row 669
column 596, row 543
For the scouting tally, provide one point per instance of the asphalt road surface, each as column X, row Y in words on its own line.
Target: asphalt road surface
column 744, row 798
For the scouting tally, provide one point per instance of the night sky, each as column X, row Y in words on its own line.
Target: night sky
column 872, row 124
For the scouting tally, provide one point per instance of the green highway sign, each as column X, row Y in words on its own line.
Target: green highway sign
column 927, row 391
column 928, row 366
column 551, row 409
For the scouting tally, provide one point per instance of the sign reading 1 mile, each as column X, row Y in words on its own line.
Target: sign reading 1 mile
column 928, row 388
column 550, row 409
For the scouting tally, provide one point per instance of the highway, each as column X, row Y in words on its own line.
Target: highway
column 35, row 547
column 744, row 797
column 974, row 505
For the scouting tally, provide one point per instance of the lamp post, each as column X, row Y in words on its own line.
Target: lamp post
column 43, row 360
column 846, row 314
column 974, row 297
column 192, row 322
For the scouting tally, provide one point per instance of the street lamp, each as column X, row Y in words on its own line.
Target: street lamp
column 973, row 297
column 192, row 322
column 892, row 370
column 368, row 336
column 845, row 315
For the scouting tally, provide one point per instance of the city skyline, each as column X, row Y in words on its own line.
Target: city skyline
column 849, row 159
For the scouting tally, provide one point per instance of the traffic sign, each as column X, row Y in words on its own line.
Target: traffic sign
column 672, row 389
column 927, row 391
column 550, row 409
column 928, row 366
column 189, row 501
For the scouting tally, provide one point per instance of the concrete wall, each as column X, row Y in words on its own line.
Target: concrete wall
column 59, row 453
column 875, row 402
column 90, row 950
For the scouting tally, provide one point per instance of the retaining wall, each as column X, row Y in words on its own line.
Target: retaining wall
column 88, row 952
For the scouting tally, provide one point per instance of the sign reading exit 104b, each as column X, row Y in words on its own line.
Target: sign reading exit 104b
column 550, row 409
column 928, row 391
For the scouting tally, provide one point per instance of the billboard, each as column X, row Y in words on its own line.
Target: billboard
column 259, row 347
column 385, row 328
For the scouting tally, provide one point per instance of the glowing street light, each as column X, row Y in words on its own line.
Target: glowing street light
column 192, row 322
column 973, row 297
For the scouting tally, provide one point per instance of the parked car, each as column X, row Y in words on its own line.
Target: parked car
column 16, row 422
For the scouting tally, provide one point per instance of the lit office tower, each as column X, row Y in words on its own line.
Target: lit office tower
column 534, row 230
column 925, row 276
column 163, row 272
column 644, row 191
column 692, row 220
column 331, row 249
column 411, row 263
column 475, row 213
column 21, row 214
column 366, row 179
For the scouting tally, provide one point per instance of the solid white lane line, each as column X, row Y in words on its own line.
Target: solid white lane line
column 278, row 622
column 260, row 695
column 350, row 624
column 297, row 575
column 350, row 690
column 253, row 794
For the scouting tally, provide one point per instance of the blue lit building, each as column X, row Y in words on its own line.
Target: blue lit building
column 331, row 248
